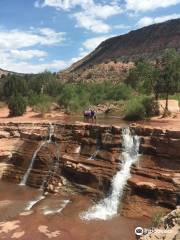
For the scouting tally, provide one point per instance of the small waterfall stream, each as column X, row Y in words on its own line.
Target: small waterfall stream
column 26, row 175
column 49, row 140
column 108, row 207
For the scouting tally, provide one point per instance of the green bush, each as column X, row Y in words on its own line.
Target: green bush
column 43, row 105
column 17, row 105
column 140, row 108
column 134, row 111
column 150, row 105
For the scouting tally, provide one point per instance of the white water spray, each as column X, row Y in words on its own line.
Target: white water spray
column 108, row 207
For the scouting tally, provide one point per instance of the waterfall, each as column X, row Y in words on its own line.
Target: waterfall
column 52, row 171
column 26, row 175
column 108, row 207
column 49, row 140
column 51, row 132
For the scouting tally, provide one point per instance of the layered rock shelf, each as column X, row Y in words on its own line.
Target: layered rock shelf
column 88, row 156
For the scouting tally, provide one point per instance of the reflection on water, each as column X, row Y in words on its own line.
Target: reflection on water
column 55, row 207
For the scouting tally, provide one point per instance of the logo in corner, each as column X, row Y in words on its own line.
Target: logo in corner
column 139, row 231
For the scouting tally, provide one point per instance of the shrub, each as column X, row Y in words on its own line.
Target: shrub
column 140, row 108
column 150, row 105
column 134, row 111
column 43, row 105
column 33, row 99
column 17, row 105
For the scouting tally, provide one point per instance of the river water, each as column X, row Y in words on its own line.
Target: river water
column 24, row 214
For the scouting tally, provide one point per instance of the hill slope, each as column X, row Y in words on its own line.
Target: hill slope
column 6, row 72
column 147, row 42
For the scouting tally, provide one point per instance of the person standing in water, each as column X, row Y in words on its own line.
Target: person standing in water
column 93, row 115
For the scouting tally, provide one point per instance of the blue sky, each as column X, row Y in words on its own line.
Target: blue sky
column 51, row 34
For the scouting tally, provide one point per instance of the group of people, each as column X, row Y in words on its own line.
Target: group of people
column 90, row 114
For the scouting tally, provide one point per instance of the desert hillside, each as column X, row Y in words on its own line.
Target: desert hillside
column 148, row 42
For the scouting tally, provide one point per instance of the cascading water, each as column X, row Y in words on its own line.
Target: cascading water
column 51, row 132
column 108, row 207
column 26, row 175
column 52, row 171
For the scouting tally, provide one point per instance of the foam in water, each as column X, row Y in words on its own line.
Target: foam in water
column 48, row 211
column 108, row 207
column 32, row 203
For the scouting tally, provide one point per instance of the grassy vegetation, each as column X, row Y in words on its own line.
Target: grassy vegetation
column 156, row 220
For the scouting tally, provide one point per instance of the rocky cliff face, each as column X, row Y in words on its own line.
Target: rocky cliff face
column 88, row 156
column 148, row 42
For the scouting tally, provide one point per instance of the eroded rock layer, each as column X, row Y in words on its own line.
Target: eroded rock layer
column 88, row 156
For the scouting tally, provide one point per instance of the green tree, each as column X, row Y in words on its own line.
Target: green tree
column 15, row 84
column 38, row 83
column 17, row 105
column 169, row 79
column 141, row 77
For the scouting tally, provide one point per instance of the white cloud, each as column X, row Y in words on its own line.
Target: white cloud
column 91, row 43
column 27, row 67
column 88, row 46
column 16, row 49
column 104, row 11
column 145, row 21
column 121, row 26
column 15, row 39
column 27, row 54
column 89, row 22
column 145, row 5
column 91, row 15
column 67, row 4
